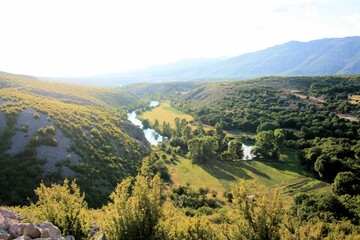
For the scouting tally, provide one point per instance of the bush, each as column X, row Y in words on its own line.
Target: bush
column 36, row 116
column 64, row 206
column 134, row 211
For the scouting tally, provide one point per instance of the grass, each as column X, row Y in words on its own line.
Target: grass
column 355, row 99
column 287, row 175
column 164, row 112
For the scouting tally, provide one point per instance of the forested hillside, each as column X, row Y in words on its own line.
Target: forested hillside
column 49, row 131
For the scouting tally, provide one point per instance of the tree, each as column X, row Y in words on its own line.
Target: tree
column 266, row 146
column 235, row 151
column 200, row 129
column 202, row 148
column 145, row 123
column 346, row 183
column 187, row 133
column 258, row 216
column 134, row 210
column 266, row 126
column 166, row 129
column 64, row 206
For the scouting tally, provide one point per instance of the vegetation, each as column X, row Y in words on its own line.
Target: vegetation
column 303, row 182
column 99, row 133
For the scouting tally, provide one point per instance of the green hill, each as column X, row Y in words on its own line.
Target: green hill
column 51, row 130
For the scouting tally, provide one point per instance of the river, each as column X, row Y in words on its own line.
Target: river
column 247, row 150
column 154, row 137
column 150, row 134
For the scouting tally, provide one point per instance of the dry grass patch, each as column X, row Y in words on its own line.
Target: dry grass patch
column 164, row 112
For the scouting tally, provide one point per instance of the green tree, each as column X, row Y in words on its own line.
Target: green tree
column 187, row 133
column 256, row 217
column 64, row 206
column 166, row 129
column 346, row 183
column 202, row 148
column 266, row 126
column 234, row 151
column 266, row 146
column 134, row 210
column 145, row 123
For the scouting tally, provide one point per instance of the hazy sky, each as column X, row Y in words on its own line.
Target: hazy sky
column 75, row 38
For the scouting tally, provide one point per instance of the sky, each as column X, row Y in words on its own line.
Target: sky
column 72, row 38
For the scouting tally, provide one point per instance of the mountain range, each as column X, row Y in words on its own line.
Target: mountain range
column 327, row 56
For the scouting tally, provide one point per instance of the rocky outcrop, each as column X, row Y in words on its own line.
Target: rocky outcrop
column 11, row 227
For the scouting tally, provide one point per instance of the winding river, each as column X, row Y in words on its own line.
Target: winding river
column 154, row 137
column 150, row 134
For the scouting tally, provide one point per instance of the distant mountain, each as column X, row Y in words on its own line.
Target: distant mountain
column 319, row 57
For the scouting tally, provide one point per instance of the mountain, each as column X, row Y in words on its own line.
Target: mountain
column 319, row 57
column 49, row 131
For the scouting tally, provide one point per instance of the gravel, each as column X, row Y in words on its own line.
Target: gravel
column 52, row 154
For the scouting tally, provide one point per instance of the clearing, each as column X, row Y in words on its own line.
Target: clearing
column 164, row 112
column 287, row 175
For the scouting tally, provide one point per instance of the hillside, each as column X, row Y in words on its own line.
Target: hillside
column 319, row 57
column 50, row 131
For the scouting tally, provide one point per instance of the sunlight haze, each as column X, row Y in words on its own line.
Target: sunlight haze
column 81, row 38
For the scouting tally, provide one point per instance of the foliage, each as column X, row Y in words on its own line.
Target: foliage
column 100, row 135
column 185, row 196
column 257, row 216
column 346, row 183
column 134, row 210
column 64, row 206
column 202, row 149
column 266, row 146
column 234, row 152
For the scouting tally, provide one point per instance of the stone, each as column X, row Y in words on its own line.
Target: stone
column 32, row 231
column 24, row 237
column 4, row 234
column 48, row 230
column 17, row 229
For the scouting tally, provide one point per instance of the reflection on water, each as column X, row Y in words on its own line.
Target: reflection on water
column 247, row 150
column 132, row 118
column 154, row 103
column 150, row 134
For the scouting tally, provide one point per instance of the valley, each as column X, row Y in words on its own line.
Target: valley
column 283, row 141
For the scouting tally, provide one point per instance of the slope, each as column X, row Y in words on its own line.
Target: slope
column 52, row 130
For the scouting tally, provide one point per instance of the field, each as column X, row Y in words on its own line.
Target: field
column 355, row 99
column 287, row 175
column 166, row 113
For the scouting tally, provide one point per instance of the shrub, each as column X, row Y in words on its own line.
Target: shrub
column 135, row 209
column 64, row 206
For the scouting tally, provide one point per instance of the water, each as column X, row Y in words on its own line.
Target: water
column 247, row 150
column 150, row 134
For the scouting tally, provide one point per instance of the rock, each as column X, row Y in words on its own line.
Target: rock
column 48, row 230
column 4, row 235
column 32, row 231
column 8, row 214
column 17, row 229
column 24, row 237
